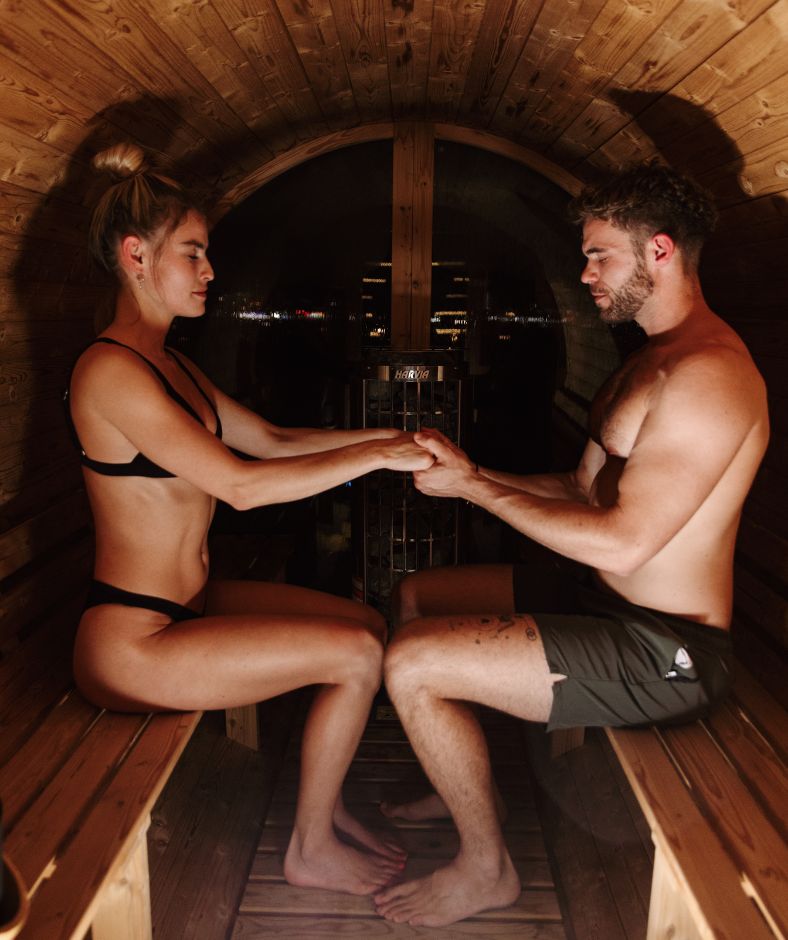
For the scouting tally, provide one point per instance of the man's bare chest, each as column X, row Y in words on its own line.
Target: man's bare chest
column 622, row 403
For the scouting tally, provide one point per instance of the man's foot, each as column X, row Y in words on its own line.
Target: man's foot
column 431, row 806
column 335, row 866
column 427, row 807
column 349, row 826
column 449, row 894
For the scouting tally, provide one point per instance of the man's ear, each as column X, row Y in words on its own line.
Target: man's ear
column 131, row 254
column 661, row 247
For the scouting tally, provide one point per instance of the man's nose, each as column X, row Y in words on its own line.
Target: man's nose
column 589, row 274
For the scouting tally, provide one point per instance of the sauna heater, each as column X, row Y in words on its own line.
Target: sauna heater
column 398, row 530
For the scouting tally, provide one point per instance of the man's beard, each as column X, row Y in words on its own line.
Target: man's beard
column 627, row 301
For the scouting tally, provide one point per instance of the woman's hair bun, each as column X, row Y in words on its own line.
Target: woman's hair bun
column 121, row 161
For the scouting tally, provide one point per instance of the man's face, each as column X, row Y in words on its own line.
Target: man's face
column 615, row 271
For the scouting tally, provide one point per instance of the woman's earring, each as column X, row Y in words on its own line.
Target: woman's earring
column 140, row 279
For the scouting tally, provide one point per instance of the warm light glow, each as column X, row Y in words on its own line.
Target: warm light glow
column 374, row 280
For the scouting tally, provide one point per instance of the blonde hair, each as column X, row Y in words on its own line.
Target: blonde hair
column 140, row 201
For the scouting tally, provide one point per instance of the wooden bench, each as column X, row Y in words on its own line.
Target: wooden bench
column 715, row 795
column 78, row 784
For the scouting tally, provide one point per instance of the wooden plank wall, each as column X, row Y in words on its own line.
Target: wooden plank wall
column 224, row 89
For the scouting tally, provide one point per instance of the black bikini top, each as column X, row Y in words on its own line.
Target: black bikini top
column 141, row 466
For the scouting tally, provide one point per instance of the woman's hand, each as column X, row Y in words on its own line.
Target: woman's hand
column 451, row 471
column 403, row 453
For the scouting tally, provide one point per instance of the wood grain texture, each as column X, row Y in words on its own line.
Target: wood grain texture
column 268, row 899
column 714, row 794
column 232, row 93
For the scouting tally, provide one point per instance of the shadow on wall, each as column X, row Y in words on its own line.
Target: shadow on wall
column 688, row 137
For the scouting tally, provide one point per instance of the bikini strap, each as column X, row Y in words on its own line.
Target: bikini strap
column 171, row 391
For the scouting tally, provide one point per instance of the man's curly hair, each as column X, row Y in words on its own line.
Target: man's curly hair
column 647, row 198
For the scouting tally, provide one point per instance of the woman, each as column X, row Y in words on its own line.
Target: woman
column 154, row 434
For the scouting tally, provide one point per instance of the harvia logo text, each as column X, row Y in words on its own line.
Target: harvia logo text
column 413, row 374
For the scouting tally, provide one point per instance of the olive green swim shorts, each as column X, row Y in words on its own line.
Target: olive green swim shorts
column 625, row 666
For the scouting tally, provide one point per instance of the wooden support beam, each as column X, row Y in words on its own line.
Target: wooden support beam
column 411, row 235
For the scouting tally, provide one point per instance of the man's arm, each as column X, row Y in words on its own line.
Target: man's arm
column 697, row 422
column 572, row 484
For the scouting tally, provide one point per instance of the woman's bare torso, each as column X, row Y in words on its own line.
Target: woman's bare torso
column 151, row 533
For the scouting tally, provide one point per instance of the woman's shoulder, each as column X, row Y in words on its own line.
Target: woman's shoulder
column 111, row 364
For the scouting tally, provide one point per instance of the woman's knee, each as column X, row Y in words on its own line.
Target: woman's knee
column 376, row 622
column 361, row 656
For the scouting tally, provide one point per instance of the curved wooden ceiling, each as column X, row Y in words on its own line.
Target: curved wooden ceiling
column 224, row 87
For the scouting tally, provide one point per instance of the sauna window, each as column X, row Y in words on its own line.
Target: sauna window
column 303, row 282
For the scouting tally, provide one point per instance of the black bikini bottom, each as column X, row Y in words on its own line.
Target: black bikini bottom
column 102, row 593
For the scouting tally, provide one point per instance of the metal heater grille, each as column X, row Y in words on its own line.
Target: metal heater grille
column 401, row 529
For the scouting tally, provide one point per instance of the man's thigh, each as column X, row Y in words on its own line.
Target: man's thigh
column 494, row 659
column 454, row 590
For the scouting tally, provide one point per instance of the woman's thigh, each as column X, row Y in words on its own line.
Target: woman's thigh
column 132, row 660
column 454, row 590
column 264, row 597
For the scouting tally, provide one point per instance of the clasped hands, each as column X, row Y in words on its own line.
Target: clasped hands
column 451, row 470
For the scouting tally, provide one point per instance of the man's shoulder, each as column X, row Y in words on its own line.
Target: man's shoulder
column 718, row 370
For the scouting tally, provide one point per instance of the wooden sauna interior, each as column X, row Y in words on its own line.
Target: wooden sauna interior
column 542, row 95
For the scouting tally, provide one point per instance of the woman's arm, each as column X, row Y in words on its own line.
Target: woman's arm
column 247, row 432
column 144, row 416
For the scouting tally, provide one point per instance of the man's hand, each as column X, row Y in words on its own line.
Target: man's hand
column 450, row 473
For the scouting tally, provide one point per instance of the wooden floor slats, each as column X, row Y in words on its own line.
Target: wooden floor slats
column 386, row 768
column 206, row 861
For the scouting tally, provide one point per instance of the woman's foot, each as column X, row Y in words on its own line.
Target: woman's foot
column 329, row 863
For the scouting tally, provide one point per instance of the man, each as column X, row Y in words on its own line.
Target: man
column 633, row 628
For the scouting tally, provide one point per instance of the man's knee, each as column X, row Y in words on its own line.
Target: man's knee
column 408, row 663
column 409, row 594
column 403, row 601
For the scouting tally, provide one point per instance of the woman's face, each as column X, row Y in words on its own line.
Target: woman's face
column 181, row 270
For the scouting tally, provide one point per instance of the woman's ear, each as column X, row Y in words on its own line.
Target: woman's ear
column 131, row 255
